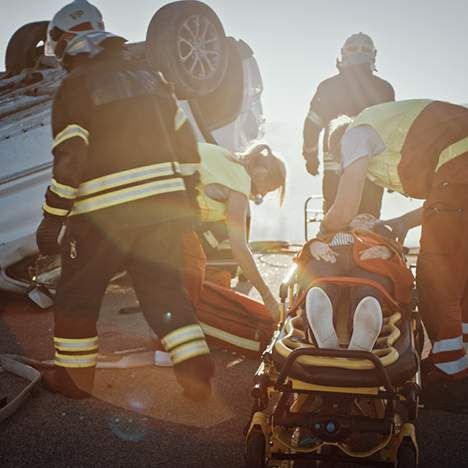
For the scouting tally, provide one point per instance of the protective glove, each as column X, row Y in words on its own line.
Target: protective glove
column 47, row 235
column 312, row 164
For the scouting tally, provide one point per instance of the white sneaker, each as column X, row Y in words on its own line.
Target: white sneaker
column 162, row 359
column 367, row 323
column 319, row 311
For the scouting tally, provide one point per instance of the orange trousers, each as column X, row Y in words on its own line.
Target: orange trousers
column 228, row 318
column 442, row 277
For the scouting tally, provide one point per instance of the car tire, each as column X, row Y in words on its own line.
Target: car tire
column 24, row 48
column 186, row 42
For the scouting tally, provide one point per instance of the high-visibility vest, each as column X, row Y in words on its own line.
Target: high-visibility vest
column 218, row 167
column 400, row 167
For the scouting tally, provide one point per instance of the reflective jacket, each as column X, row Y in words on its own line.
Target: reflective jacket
column 347, row 93
column 218, row 167
column 121, row 146
column 422, row 138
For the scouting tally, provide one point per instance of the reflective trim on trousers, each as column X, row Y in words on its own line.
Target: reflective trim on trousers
column 182, row 335
column 75, row 360
column 71, row 131
column 453, row 367
column 76, row 344
column 189, row 350
column 450, row 344
column 238, row 341
column 127, row 195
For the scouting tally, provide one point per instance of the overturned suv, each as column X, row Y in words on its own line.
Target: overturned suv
column 217, row 83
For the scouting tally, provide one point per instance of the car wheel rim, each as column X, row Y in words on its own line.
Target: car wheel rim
column 199, row 47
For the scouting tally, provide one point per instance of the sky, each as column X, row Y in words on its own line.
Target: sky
column 421, row 43
column 421, row 49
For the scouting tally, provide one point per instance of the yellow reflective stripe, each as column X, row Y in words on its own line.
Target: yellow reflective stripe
column 71, row 131
column 329, row 163
column 54, row 211
column 63, row 191
column 126, row 177
column 85, row 360
column 315, row 119
column 179, row 119
column 238, row 341
column 188, row 351
column 127, row 195
column 79, row 344
column 456, row 149
column 188, row 168
column 310, row 149
column 182, row 335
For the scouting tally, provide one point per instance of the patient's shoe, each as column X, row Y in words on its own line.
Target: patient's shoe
column 367, row 323
column 319, row 311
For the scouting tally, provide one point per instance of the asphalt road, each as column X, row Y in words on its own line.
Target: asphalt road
column 138, row 417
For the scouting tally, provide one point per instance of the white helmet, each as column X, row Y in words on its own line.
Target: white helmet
column 75, row 29
column 358, row 49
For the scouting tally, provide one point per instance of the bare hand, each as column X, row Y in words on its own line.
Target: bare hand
column 272, row 305
column 378, row 251
column 321, row 251
column 398, row 227
column 312, row 165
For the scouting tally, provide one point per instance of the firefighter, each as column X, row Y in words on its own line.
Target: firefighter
column 349, row 92
column 120, row 147
column 420, row 149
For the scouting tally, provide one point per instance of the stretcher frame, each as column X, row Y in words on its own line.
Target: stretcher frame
column 278, row 398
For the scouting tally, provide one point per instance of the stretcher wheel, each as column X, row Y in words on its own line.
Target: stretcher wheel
column 255, row 449
column 407, row 456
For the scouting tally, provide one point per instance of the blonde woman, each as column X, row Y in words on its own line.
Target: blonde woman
column 227, row 183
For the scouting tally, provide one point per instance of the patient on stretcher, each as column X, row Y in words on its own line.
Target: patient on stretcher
column 358, row 253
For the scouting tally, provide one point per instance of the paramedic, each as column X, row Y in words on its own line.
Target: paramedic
column 420, row 149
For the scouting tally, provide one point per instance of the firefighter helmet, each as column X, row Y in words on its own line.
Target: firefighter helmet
column 358, row 49
column 77, row 28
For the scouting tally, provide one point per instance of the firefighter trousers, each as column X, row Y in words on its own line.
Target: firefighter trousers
column 442, row 277
column 152, row 257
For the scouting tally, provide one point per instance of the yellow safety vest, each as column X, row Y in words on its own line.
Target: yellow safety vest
column 392, row 121
column 218, row 167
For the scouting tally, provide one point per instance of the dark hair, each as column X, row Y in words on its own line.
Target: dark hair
column 336, row 130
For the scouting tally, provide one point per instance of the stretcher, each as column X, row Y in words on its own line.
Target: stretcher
column 329, row 407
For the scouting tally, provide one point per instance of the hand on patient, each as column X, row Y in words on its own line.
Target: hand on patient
column 321, row 251
column 377, row 251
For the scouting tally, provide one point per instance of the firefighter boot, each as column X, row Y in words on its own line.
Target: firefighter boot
column 72, row 383
column 194, row 375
